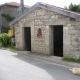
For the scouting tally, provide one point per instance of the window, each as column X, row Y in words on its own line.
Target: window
column 39, row 33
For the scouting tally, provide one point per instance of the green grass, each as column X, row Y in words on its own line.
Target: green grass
column 12, row 48
column 71, row 60
column 41, row 54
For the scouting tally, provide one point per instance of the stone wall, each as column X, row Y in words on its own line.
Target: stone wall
column 42, row 18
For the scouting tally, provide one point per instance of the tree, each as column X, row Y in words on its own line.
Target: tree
column 74, row 7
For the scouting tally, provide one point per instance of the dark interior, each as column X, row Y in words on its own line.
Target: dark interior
column 27, row 37
column 58, row 40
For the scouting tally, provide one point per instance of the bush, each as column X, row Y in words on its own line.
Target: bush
column 5, row 29
column 5, row 40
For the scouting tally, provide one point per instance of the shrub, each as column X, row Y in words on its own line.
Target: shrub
column 5, row 40
column 5, row 29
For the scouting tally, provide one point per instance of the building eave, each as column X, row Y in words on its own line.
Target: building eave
column 51, row 8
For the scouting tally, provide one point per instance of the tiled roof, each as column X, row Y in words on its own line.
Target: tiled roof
column 15, row 4
column 51, row 8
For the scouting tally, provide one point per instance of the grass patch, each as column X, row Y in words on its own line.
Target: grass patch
column 12, row 48
column 71, row 60
column 41, row 54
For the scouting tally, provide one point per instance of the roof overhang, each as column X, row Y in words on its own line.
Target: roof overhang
column 51, row 8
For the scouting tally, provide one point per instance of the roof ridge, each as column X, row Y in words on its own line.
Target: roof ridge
column 51, row 8
column 41, row 3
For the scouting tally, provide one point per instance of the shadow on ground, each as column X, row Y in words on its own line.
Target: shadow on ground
column 57, row 72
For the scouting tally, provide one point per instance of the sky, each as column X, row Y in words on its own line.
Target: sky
column 58, row 3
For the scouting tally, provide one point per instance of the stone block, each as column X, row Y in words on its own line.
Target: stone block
column 71, row 28
column 46, row 17
column 56, row 22
column 51, row 13
column 79, row 39
column 67, row 19
column 73, row 32
column 65, row 49
column 66, row 39
column 68, row 24
column 37, row 20
column 76, row 55
column 56, row 17
column 38, row 23
column 74, row 38
column 53, row 16
column 78, row 43
column 40, row 13
column 78, row 23
column 74, row 43
column 78, row 49
column 79, row 33
column 77, row 27
column 62, row 16
column 44, row 20
column 65, row 30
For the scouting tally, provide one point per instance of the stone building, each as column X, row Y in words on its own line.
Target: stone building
column 12, row 9
column 49, row 30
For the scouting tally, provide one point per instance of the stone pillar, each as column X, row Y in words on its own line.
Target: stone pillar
column 47, row 40
column 23, row 41
column 32, row 38
column 21, row 37
column 51, row 40
column 66, row 42
column 17, row 37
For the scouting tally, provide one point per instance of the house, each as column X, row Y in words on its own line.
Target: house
column 12, row 9
column 49, row 30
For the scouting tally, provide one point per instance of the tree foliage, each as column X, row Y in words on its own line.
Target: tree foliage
column 74, row 7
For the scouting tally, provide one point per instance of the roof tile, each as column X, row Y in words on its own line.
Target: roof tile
column 15, row 4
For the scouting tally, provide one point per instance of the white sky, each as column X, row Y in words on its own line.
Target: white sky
column 59, row 3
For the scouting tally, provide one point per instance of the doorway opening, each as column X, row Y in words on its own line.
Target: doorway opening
column 27, row 38
column 58, row 40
